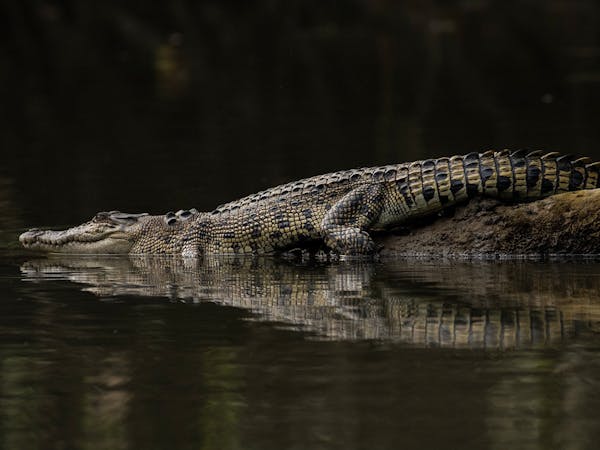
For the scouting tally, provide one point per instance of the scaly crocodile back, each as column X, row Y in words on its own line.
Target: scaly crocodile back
column 517, row 175
column 342, row 207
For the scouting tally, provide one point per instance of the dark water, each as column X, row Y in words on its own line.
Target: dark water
column 260, row 353
column 122, row 105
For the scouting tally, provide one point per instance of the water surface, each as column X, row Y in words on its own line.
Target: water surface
column 262, row 353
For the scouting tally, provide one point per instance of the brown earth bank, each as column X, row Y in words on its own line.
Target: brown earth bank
column 563, row 224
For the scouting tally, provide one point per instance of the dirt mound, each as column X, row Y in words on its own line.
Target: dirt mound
column 568, row 223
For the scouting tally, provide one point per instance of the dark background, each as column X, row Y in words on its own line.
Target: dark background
column 153, row 106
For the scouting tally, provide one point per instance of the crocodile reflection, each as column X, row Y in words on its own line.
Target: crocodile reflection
column 473, row 305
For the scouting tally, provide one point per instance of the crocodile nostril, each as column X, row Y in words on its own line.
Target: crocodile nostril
column 30, row 235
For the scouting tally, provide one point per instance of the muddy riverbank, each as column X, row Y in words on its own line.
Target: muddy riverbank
column 563, row 224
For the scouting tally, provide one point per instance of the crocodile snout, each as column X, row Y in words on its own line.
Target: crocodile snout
column 30, row 236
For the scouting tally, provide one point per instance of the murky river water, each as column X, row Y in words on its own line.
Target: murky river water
column 137, row 108
column 261, row 353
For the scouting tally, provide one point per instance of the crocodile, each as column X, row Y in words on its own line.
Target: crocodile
column 339, row 209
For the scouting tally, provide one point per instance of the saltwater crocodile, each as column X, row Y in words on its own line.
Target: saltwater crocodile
column 339, row 208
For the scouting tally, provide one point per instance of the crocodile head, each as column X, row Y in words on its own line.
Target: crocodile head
column 107, row 232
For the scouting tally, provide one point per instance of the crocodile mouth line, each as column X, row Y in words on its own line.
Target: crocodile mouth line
column 34, row 238
column 57, row 244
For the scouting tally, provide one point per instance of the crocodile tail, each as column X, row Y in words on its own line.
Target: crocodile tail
column 428, row 186
column 522, row 175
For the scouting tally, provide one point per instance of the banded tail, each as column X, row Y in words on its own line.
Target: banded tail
column 517, row 175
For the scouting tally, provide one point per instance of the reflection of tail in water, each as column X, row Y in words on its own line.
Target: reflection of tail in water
column 415, row 304
column 455, row 325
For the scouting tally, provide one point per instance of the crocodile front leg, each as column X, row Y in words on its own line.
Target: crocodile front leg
column 345, row 223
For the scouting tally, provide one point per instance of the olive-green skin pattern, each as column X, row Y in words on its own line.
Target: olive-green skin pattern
column 339, row 208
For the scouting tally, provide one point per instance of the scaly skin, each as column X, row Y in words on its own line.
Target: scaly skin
column 339, row 208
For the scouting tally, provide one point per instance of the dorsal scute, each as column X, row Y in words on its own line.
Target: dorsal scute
column 171, row 218
column 568, row 157
column 581, row 162
column 534, row 154
column 550, row 155
column 518, row 153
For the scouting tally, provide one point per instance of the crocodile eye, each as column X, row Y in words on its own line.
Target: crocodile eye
column 117, row 218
